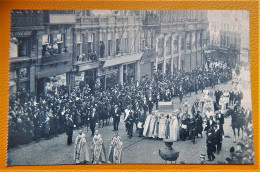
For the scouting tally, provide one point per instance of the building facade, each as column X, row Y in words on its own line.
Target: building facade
column 102, row 48
column 40, row 48
column 229, row 34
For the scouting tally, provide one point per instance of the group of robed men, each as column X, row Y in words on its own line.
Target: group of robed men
column 96, row 153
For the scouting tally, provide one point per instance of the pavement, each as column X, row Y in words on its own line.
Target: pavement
column 136, row 150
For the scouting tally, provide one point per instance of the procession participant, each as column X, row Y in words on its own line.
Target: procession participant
column 129, row 124
column 186, row 107
column 116, row 117
column 180, row 93
column 115, row 150
column 98, row 149
column 156, row 126
column 147, row 125
column 192, row 129
column 210, row 146
column 210, row 124
column 199, row 124
column 69, row 132
column 93, row 120
column 209, row 112
column 184, row 133
column 81, row 153
column 220, row 118
column 153, row 120
column 140, row 125
column 137, row 115
column 167, row 126
column 126, row 114
column 174, row 127
column 46, row 124
column 150, row 101
column 162, row 126
column 218, row 136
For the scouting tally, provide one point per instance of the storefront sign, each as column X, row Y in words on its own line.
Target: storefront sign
column 21, row 33
column 145, row 61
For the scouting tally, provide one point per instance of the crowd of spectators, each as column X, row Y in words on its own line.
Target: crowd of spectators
column 32, row 119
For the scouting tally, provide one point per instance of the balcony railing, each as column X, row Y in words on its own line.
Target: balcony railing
column 110, row 20
column 56, row 58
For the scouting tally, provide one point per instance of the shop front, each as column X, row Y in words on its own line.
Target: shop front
column 129, row 72
column 108, row 77
column 147, row 64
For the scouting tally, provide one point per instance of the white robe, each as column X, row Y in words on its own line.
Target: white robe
column 81, row 152
column 162, row 127
column 115, row 150
column 174, row 128
column 146, row 126
column 98, row 150
column 151, row 126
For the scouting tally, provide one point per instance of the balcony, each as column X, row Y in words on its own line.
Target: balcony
column 26, row 18
column 62, row 18
column 151, row 20
column 56, row 58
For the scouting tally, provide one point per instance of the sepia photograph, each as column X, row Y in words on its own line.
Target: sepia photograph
column 129, row 87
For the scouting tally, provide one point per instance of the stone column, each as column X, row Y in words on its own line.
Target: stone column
column 32, row 78
column 164, row 54
column 70, row 81
column 121, row 74
column 172, row 52
column 179, row 52
column 156, row 50
column 18, row 70
column 137, row 71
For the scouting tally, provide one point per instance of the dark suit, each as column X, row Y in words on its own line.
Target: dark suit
column 116, row 116
column 130, row 123
column 209, row 126
column 218, row 138
column 69, row 130
column 220, row 117
column 93, row 119
column 210, row 147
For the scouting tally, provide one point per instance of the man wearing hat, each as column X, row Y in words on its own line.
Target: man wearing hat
column 93, row 119
column 199, row 124
column 69, row 131
column 116, row 117
column 129, row 124
column 210, row 146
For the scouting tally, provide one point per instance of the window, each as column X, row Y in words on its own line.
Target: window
column 126, row 45
column 182, row 43
column 143, row 45
column 161, row 47
column 24, row 73
column 59, row 42
column 79, row 39
column 176, row 44
column 117, row 46
column 109, row 48
column 188, row 43
column 168, row 47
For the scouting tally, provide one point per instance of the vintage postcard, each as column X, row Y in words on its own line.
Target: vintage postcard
column 129, row 87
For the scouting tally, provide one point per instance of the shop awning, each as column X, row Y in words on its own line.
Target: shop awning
column 123, row 59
